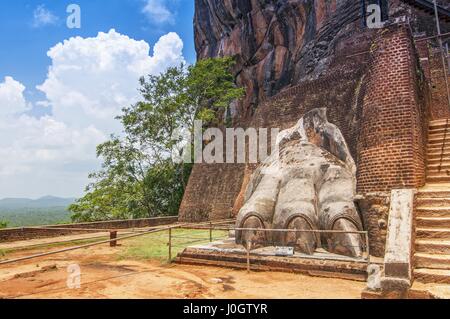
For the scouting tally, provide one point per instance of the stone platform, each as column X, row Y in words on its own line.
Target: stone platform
column 228, row 254
column 417, row 291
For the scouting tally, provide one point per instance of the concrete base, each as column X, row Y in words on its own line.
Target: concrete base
column 399, row 285
column 228, row 254
column 410, row 294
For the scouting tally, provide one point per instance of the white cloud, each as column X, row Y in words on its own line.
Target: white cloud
column 12, row 100
column 92, row 79
column 89, row 81
column 43, row 17
column 158, row 12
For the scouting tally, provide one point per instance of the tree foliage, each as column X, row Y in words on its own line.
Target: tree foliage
column 3, row 224
column 138, row 177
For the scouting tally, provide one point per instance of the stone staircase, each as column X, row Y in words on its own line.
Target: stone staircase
column 432, row 255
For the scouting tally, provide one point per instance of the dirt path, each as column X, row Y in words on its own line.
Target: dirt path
column 104, row 275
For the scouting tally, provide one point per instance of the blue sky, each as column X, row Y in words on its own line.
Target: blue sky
column 24, row 47
column 61, row 88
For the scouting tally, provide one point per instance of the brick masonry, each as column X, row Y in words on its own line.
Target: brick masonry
column 392, row 136
column 375, row 91
column 439, row 100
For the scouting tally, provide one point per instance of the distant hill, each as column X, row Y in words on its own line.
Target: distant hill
column 48, row 210
column 43, row 202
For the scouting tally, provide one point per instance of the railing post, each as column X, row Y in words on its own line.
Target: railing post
column 210, row 232
column 113, row 235
column 170, row 245
column 249, row 245
column 367, row 246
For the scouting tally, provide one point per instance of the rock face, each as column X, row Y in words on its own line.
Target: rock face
column 277, row 43
column 308, row 184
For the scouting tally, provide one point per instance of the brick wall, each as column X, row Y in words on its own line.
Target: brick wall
column 211, row 192
column 26, row 233
column 439, row 100
column 392, row 137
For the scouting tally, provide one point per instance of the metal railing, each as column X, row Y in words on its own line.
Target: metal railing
column 180, row 236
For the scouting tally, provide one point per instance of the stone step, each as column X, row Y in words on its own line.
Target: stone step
column 436, row 163
column 433, row 202
column 433, row 144
column 439, row 124
column 436, row 166
column 314, row 267
column 438, row 155
column 433, row 246
column 430, row 222
column 439, row 130
column 433, row 192
column 436, row 158
column 441, row 139
column 427, row 211
column 432, row 276
column 432, row 261
column 437, row 148
column 255, row 267
column 432, row 233
column 439, row 136
column 436, row 171
column 438, row 179
column 438, row 142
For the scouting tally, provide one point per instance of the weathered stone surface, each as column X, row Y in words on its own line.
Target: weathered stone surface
column 308, row 184
column 399, row 241
column 389, row 284
column 276, row 43
column 374, row 277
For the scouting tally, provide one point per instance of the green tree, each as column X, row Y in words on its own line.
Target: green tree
column 3, row 224
column 138, row 177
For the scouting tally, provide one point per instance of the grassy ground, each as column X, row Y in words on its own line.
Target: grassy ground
column 155, row 246
column 152, row 246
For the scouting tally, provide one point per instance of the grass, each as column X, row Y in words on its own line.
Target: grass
column 155, row 246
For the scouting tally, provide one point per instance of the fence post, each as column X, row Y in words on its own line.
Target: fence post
column 112, row 235
column 170, row 245
column 367, row 246
column 249, row 245
column 210, row 232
